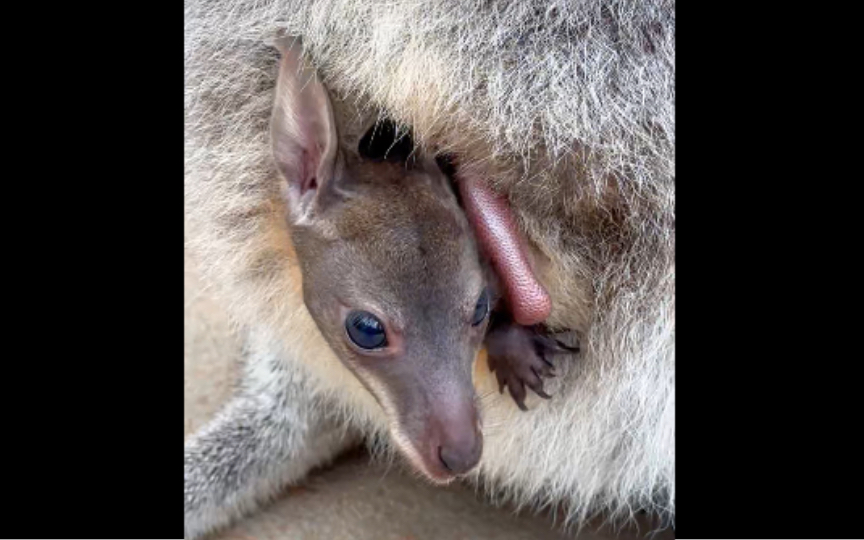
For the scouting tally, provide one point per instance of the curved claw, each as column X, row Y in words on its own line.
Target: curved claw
column 517, row 392
column 542, row 394
column 521, row 404
column 537, row 386
column 500, row 377
column 553, row 345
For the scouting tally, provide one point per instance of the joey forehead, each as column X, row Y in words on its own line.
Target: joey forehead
column 412, row 256
column 416, row 265
column 387, row 196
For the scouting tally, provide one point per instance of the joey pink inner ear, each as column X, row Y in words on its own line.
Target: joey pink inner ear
column 309, row 172
column 302, row 130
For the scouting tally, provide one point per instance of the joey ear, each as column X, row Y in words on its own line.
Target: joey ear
column 302, row 130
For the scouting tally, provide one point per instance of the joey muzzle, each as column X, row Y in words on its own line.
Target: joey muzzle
column 438, row 426
column 455, row 437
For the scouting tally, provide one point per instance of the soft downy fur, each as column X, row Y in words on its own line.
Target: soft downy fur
column 566, row 107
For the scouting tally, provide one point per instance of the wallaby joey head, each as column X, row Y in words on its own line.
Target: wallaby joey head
column 391, row 274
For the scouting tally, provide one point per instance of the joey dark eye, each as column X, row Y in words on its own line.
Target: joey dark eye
column 481, row 309
column 365, row 330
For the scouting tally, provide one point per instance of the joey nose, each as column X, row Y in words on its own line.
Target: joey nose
column 460, row 460
column 461, row 454
column 450, row 435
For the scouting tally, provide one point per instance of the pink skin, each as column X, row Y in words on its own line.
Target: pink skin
column 495, row 227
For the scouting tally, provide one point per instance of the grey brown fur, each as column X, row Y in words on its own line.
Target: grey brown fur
column 568, row 108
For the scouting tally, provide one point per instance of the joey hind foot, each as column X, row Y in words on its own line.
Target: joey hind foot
column 520, row 356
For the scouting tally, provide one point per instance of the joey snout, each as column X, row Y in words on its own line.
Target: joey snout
column 455, row 437
column 433, row 415
column 444, row 436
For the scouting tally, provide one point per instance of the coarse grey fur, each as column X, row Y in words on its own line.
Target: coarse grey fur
column 272, row 433
column 565, row 107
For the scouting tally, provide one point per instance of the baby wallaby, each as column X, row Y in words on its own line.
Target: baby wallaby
column 394, row 281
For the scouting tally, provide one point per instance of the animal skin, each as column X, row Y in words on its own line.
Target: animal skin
column 566, row 111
